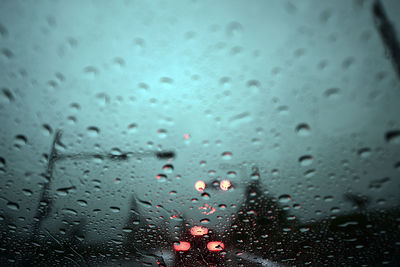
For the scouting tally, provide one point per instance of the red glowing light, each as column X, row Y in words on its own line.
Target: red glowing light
column 182, row 246
column 215, row 246
column 225, row 184
column 207, row 209
column 198, row 230
column 200, row 186
column 186, row 136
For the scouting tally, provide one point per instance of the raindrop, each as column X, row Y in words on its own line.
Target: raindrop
column 82, row 203
column 3, row 31
column 332, row 93
column 20, row 140
column 7, row 95
column 139, row 44
column 396, row 166
column 12, row 205
column 90, row 71
column 166, row 82
column 254, row 86
column 2, row 162
column 69, row 211
column 306, row 160
column 46, row 129
column 283, row 110
column 27, row 192
column 378, row 183
column 205, row 221
column 115, row 209
column 143, row 86
column 205, row 196
column 225, row 185
column 231, row 174
column 118, row 62
column 364, row 152
column 284, row 198
column 162, row 133
column 304, row 229
column 303, row 129
column 93, row 131
column 7, row 53
column 132, row 128
column 335, row 210
column 103, row 99
column 72, row 119
column 227, row 155
column 234, row 29
column 161, row 178
column 168, row 168
column 75, row 107
column 200, row 186
column 65, row 190
column 225, row 82
column 393, row 137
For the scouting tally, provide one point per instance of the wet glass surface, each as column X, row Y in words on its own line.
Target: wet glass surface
column 199, row 133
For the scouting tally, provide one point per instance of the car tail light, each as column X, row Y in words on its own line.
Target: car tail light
column 200, row 186
column 215, row 246
column 182, row 246
column 225, row 184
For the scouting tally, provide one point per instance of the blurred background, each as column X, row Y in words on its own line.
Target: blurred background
column 294, row 103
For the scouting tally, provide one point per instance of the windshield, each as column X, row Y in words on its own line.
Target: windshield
column 199, row 133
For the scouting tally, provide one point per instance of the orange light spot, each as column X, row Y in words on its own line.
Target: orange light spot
column 215, row 246
column 200, row 186
column 186, row 136
column 225, row 184
column 198, row 230
column 182, row 246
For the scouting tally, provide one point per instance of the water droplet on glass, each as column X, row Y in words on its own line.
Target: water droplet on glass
column 205, row 221
column 46, row 129
column 393, row 137
column 93, row 131
column 364, row 152
column 12, row 205
column 82, row 203
column 254, row 86
column 284, row 198
column 335, row 210
column 205, row 196
column 20, row 140
column 200, row 186
column 234, row 29
column 162, row 133
column 225, row 185
column 303, row 129
column 27, row 192
column 332, row 93
column 306, row 160
column 161, row 178
column 168, row 168
column 7, row 95
column 226, row 155
column 115, row 209
column 2, row 162
column 91, row 72
column 225, row 82
column 132, row 128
